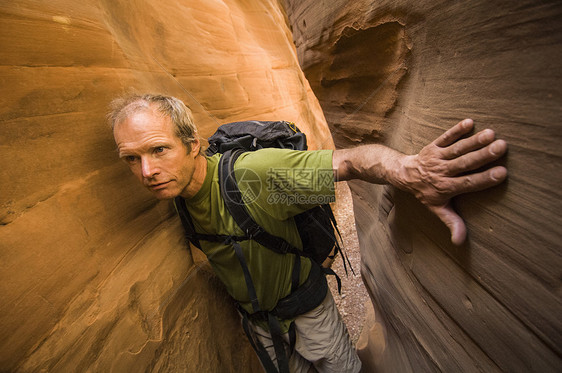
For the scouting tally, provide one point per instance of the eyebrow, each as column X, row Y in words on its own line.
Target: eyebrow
column 161, row 144
column 122, row 153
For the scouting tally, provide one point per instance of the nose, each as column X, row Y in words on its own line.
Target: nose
column 149, row 167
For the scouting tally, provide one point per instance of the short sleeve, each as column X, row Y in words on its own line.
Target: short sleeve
column 284, row 183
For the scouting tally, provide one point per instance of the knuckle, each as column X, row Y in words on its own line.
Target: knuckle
column 468, row 182
column 463, row 164
column 455, row 151
column 496, row 148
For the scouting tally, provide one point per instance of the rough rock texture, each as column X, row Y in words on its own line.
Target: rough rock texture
column 401, row 72
column 94, row 273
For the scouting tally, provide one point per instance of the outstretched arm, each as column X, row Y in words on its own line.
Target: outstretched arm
column 439, row 172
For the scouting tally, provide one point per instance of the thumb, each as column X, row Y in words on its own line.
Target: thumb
column 453, row 221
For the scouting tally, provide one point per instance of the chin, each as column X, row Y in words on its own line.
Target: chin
column 164, row 194
column 162, row 198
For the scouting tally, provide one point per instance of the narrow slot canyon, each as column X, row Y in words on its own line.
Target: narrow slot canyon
column 96, row 275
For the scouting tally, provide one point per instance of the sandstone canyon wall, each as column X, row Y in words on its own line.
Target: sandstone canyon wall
column 94, row 273
column 400, row 73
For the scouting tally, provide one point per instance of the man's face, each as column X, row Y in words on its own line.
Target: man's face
column 147, row 143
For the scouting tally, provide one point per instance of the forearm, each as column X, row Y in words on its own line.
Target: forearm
column 375, row 163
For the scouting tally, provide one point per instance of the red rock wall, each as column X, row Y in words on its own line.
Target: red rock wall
column 400, row 73
column 94, row 273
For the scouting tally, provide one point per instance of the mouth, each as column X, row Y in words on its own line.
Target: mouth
column 157, row 186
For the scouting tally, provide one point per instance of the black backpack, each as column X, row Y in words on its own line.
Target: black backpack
column 317, row 229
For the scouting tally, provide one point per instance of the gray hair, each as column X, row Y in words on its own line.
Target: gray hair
column 175, row 109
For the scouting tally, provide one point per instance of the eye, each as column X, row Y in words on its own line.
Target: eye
column 130, row 158
column 159, row 149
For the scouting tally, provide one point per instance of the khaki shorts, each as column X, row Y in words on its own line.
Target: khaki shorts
column 322, row 340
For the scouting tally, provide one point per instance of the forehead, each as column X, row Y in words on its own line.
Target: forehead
column 144, row 128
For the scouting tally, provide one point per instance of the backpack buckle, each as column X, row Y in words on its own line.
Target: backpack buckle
column 254, row 231
column 254, row 145
column 285, row 247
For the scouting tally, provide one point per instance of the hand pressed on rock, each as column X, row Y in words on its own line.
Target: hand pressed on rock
column 443, row 169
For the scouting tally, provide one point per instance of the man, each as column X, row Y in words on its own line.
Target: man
column 156, row 137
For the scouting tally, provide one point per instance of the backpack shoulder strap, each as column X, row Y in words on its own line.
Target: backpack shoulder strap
column 186, row 221
column 236, row 207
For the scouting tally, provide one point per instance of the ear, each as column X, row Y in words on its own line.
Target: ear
column 195, row 146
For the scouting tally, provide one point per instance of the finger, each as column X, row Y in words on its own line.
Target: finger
column 454, row 133
column 453, row 221
column 478, row 158
column 469, row 144
column 477, row 181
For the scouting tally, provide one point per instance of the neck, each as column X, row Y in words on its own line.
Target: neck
column 197, row 179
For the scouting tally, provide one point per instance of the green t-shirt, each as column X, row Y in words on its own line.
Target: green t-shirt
column 276, row 184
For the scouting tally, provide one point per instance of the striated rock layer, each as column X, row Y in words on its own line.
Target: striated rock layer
column 400, row 73
column 94, row 273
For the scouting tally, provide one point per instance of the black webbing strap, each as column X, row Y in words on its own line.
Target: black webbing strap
column 186, row 221
column 337, row 246
column 292, row 337
column 222, row 238
column 274, row 326
column 277, row 338
column 296, row 275
column 262, row 353
column 247, row 277
column 330, row 271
